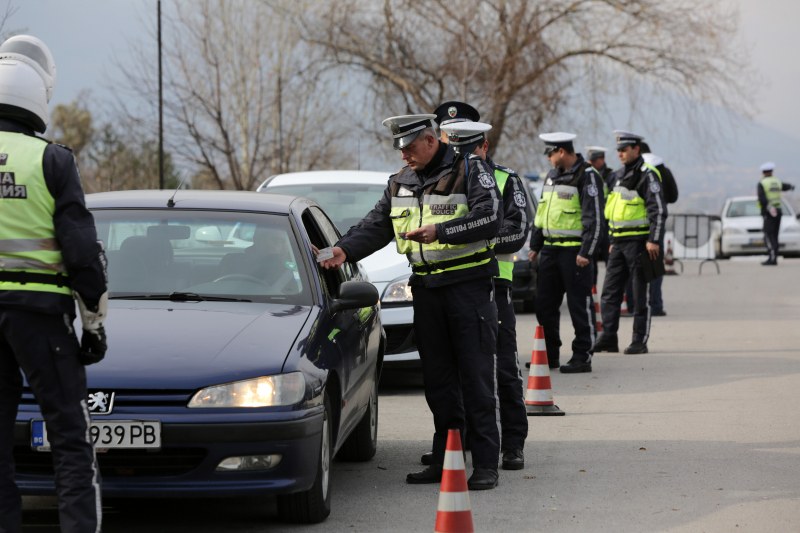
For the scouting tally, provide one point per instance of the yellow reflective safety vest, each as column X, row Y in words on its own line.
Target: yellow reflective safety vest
column 505, row 262
column 441, row 201
column 559, row 212
column 772, row 189
column 30, row 258
column 626, row 211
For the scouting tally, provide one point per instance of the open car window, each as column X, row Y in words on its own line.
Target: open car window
column 153, row 253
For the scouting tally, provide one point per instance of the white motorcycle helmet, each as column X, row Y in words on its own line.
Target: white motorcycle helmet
column 27, row 80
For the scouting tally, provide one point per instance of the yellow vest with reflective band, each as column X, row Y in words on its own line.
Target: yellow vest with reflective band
column 626, row 211
column 772, row 189
column 505, row 261
column 441, row 201
column 27, row 236
column 559, row 213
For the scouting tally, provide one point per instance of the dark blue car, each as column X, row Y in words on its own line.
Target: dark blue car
column 236, row 365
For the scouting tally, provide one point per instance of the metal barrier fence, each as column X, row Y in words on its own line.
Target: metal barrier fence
column 693, row 237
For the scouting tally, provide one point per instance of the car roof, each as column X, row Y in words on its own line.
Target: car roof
column 314, row 177
column 194, row 199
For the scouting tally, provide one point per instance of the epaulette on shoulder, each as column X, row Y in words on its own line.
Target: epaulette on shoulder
column 509, row 171
column 48, row 141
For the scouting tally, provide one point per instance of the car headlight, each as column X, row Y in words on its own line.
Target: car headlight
column 733, row 231
column 266, row 391
column 398, row 292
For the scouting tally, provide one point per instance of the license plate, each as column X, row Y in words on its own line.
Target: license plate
column 108, row 434
column 756, row 242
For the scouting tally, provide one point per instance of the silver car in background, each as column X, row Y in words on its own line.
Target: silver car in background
column 346, row 196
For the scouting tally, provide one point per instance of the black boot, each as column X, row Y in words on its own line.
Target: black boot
column 513, row 460
column 636, row 347
column 431, row 474
column 483, row 479
column 606, row 343
column 577, row 366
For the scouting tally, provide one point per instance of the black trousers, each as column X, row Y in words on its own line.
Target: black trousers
column 46, row 349
column 559, row 275
column 513, row 417
column 772, row 226
column 625, row 262
column 456, row 331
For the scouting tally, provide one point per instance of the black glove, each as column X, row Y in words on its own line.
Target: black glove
column 93, row 346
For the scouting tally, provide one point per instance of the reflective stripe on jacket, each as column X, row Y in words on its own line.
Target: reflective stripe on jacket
column 29, row 253
column 559, row 213
column 626, row 210
column 441, row 201
column 772, row 189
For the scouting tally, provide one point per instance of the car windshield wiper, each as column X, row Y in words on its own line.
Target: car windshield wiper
column 179, row 297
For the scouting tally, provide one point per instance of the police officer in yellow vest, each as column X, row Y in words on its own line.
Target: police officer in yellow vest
column 636, row 213
column 442, row 210
column 48, row 253
column 566, row 233
column 470, row 138
column 769, row 191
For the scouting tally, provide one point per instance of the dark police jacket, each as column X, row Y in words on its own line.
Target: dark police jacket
column 517, row 217
column 482, row 222
column 590, row 189
column 74, row 231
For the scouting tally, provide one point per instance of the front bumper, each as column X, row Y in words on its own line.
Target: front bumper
column 186, row 463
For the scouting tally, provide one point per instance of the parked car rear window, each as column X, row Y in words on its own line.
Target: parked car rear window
column 345, row 203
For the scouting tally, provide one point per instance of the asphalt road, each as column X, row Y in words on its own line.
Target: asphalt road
column 701, row 434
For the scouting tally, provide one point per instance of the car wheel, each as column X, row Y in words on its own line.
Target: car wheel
column 362, row 443
column 314, row 505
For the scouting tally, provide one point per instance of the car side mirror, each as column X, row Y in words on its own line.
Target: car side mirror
column 355, row 295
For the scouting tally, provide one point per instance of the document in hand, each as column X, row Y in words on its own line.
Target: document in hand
column 652, row 268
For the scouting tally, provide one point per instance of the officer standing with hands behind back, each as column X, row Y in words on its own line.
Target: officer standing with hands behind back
column 49, row 254
column 470, row 138
column 636, row 212
column 442, row 209
column 566, row 233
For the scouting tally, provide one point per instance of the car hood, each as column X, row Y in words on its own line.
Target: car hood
column 745, row 223
column 186, row 345
column 386, row 265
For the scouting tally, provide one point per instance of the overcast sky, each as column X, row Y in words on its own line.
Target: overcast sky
column 85, row 36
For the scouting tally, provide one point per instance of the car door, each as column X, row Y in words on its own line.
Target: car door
column 352, row 330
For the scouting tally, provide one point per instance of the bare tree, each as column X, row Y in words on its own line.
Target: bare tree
column 520, row 61
column 243, row 95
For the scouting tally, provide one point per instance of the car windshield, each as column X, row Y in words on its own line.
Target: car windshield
column 202, row 255
column 749, row 208
column 345, row 203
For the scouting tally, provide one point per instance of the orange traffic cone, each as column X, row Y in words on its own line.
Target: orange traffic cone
column 539, row 397
column 454, row 514
column 598, row 320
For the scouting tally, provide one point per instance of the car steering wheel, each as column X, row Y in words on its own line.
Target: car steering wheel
column 242, row 277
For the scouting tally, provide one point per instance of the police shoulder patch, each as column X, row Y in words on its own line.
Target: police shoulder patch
column 519, row 199
column 654, row 186
column 486, row 180
column 591, row 190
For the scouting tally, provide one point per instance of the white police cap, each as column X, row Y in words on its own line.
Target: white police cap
column 461, row 133
column 406, row 128
column 554, row 141
column 593, row 152
column 769, row 166
column 627, row 138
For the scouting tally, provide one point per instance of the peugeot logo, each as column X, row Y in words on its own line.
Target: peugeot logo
column 101, row 403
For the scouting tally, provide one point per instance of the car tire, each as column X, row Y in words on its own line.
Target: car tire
column 314, row 505
column 362, row 443
column 529, row 306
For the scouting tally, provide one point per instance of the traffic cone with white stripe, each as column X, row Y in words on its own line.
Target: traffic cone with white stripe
column 624, row 310
column 454, row 514
column 598, row 319
column 669, row 260
column 539, row 397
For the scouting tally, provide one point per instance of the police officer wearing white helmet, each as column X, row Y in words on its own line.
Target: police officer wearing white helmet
column 49, row 257
column 442, row 210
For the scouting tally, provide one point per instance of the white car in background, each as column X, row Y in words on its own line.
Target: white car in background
column 346, row 196
column 742, row 229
